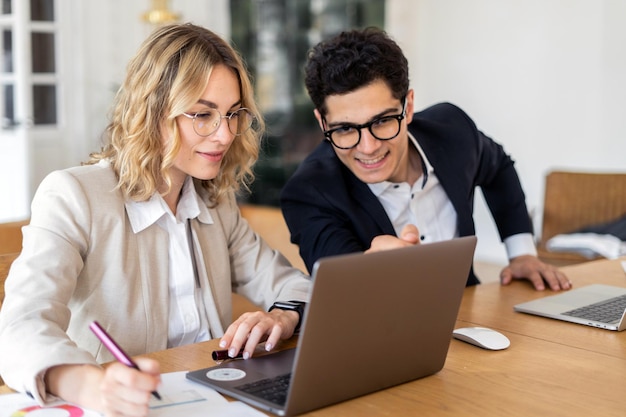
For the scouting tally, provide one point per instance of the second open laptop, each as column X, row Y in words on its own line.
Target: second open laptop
column 596, row 305
column 374, row 320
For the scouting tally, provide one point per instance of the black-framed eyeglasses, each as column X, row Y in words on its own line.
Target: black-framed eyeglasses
column 206, row 122
column 348, row 136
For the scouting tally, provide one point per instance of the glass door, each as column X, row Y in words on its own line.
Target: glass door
column 29, row 100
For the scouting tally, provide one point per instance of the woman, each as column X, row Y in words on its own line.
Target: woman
column 146, row 238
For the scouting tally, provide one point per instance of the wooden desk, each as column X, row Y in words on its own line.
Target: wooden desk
column 491, row 305
column 552, row 368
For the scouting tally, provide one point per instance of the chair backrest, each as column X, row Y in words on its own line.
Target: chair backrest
column 6, row 259
column 574, row 200
column 11, row 236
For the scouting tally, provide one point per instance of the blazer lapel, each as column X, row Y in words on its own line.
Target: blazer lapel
column 212, row 293
column 370, row 206
column 154, row 265
column 446, row 165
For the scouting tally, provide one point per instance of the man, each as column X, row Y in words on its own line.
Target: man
column 386, row 177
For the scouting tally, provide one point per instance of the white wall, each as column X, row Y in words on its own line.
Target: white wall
column 112, row 31
column 545, row 78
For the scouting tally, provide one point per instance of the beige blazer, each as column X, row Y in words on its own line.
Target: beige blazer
column 81, row 262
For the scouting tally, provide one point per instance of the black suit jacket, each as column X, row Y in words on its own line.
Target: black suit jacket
column 329, row 211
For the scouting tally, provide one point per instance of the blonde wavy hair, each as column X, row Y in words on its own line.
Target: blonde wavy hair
column 168, row 75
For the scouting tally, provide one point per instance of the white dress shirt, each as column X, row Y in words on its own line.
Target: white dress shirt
column 426, row 205
column 188, row 321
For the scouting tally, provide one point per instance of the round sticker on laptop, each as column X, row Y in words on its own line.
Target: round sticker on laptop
column 225, row 374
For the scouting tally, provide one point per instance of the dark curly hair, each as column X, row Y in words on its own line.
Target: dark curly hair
column 354, row 59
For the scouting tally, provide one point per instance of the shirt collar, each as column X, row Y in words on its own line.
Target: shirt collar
column 143, row 214
column 379, row 188
column 426, row 166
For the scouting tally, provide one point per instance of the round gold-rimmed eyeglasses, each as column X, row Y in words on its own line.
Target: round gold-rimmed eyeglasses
column 206, row 122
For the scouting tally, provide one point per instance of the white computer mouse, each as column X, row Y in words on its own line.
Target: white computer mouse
column 482, row 337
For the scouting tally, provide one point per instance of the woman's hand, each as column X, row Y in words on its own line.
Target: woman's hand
column 252, row 328
column 127, row 391
column 115, row 391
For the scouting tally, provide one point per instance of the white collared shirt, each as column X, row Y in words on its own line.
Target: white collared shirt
column 188, row 322
column 426, row 205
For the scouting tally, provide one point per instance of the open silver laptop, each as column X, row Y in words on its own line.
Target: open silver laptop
column 373, row 321
column 597, row 305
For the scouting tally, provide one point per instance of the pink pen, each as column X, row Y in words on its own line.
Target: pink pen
column 115, row 350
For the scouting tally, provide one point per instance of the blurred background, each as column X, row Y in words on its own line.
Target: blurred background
column 545, row 78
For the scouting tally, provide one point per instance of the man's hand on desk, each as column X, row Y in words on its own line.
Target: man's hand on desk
column 252, row 328
column 537, row 272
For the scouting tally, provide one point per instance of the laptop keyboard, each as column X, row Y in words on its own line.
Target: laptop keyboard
column 270, row 389
column 608, row 311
